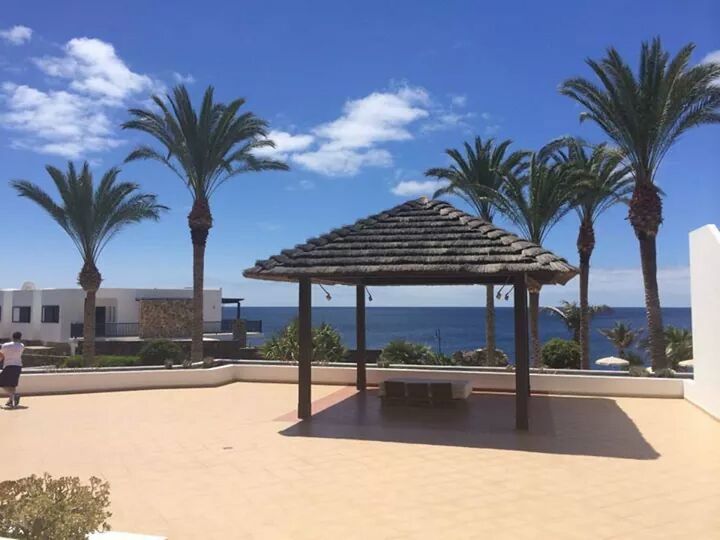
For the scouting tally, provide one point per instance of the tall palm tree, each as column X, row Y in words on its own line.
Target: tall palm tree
column 571, row 314
column 205, row 149
column 535, row 201
column 645, row 114
column 470, row 176
column 91, row 216
column 622, row 336
column 600, row 181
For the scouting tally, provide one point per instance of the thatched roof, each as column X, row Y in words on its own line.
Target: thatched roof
column 419, row 242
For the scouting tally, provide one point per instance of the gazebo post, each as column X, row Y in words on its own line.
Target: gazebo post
column 522, row 365
column 305, row 346
column 361, row 382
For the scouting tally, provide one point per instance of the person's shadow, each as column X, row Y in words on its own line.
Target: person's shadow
column 18, row 408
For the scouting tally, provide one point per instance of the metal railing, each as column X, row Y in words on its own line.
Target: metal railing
column 125, row 329
column 108, row 329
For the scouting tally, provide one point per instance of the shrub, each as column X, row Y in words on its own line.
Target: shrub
column 405, row 352
column 479, row 358
column 42, row 507
column 99, row 361
column 285, row 345
column 561, row 354
column 156, row 352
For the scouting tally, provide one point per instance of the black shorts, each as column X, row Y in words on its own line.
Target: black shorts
column 9, row 376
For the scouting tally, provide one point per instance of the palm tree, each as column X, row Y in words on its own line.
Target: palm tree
column 600, row 181
column 571, row 314
column 91, row 216
column 679, row 345
column 535, row 201
column 204, row 149
column 482, row 168
column 645, row 114
column 622, row 336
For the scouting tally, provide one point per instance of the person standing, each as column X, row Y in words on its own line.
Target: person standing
column 11, row 357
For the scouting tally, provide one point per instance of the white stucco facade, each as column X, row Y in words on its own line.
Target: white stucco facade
column 704, row 390
column 121, row 306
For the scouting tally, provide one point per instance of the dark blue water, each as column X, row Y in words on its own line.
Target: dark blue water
column 460, row 328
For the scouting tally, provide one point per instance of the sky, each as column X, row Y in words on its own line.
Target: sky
column 361, row 97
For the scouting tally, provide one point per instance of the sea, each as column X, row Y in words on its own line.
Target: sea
column 449, row 329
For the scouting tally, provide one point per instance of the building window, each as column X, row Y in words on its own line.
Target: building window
column 21, row 314
column 50, row 314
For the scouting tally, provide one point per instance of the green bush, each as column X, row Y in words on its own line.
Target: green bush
column 400, row 351
column 42, row 507
column 479, row 358
column 99, row 361
column 285, row 345
column 561, row 354
column 156, row 352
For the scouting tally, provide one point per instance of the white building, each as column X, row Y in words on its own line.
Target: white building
column 47, row 314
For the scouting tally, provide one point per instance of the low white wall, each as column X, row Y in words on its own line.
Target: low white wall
column 704, row 389
column 97, row 381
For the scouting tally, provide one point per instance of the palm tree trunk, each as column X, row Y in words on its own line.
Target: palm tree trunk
column 585, row 245
column 89, row 279
column 200, row 222
column 535, row 351
column 490, row 325
column 584, row 311
column 648, row 260
column 645, row 216
column 89, row 328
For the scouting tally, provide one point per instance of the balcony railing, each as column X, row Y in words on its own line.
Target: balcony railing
column 123, row 329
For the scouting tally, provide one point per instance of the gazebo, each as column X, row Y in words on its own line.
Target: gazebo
column 420, row 242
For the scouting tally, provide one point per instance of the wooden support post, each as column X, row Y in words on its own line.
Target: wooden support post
column 305, row 345
column 361, row 382
column 522, row 353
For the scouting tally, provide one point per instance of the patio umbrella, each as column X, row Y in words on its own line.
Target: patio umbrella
column 687, row 363
column 612, row 361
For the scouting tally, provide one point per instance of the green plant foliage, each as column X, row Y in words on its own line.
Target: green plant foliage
column 99, row 361
column 42, row 507
column 400, row 351
column 285, row 345
column 622, row 336
column 156, row 352
column 479, row 358
column 561, row 354
column 678, row 345
column 569, row 313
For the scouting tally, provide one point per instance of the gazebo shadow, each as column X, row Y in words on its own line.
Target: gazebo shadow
column 584, row 426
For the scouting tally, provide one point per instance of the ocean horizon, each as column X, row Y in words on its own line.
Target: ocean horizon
column 450, row 329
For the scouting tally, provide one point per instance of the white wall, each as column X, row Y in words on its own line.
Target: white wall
column 704, row 390
column 99, row 381
column 71, row 302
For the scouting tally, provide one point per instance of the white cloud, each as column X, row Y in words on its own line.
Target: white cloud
column 17, row 35
column 342, row 162
column 413, row 188
column 78, row 119
column 303, row 185
column 458, row 100
column 285, row 143
column 448, row 120
column 56, row 122
column 379, row 117
column 93, row 68
column 351, row 142
column 183, row 79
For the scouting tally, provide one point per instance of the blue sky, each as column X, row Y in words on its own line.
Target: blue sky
column 362, row 97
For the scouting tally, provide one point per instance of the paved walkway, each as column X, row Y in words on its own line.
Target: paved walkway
column 232, row 462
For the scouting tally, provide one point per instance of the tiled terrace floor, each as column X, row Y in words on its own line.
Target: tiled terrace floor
column 232, row 462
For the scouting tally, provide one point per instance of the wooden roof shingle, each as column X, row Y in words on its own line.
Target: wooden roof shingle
column 421, row 242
